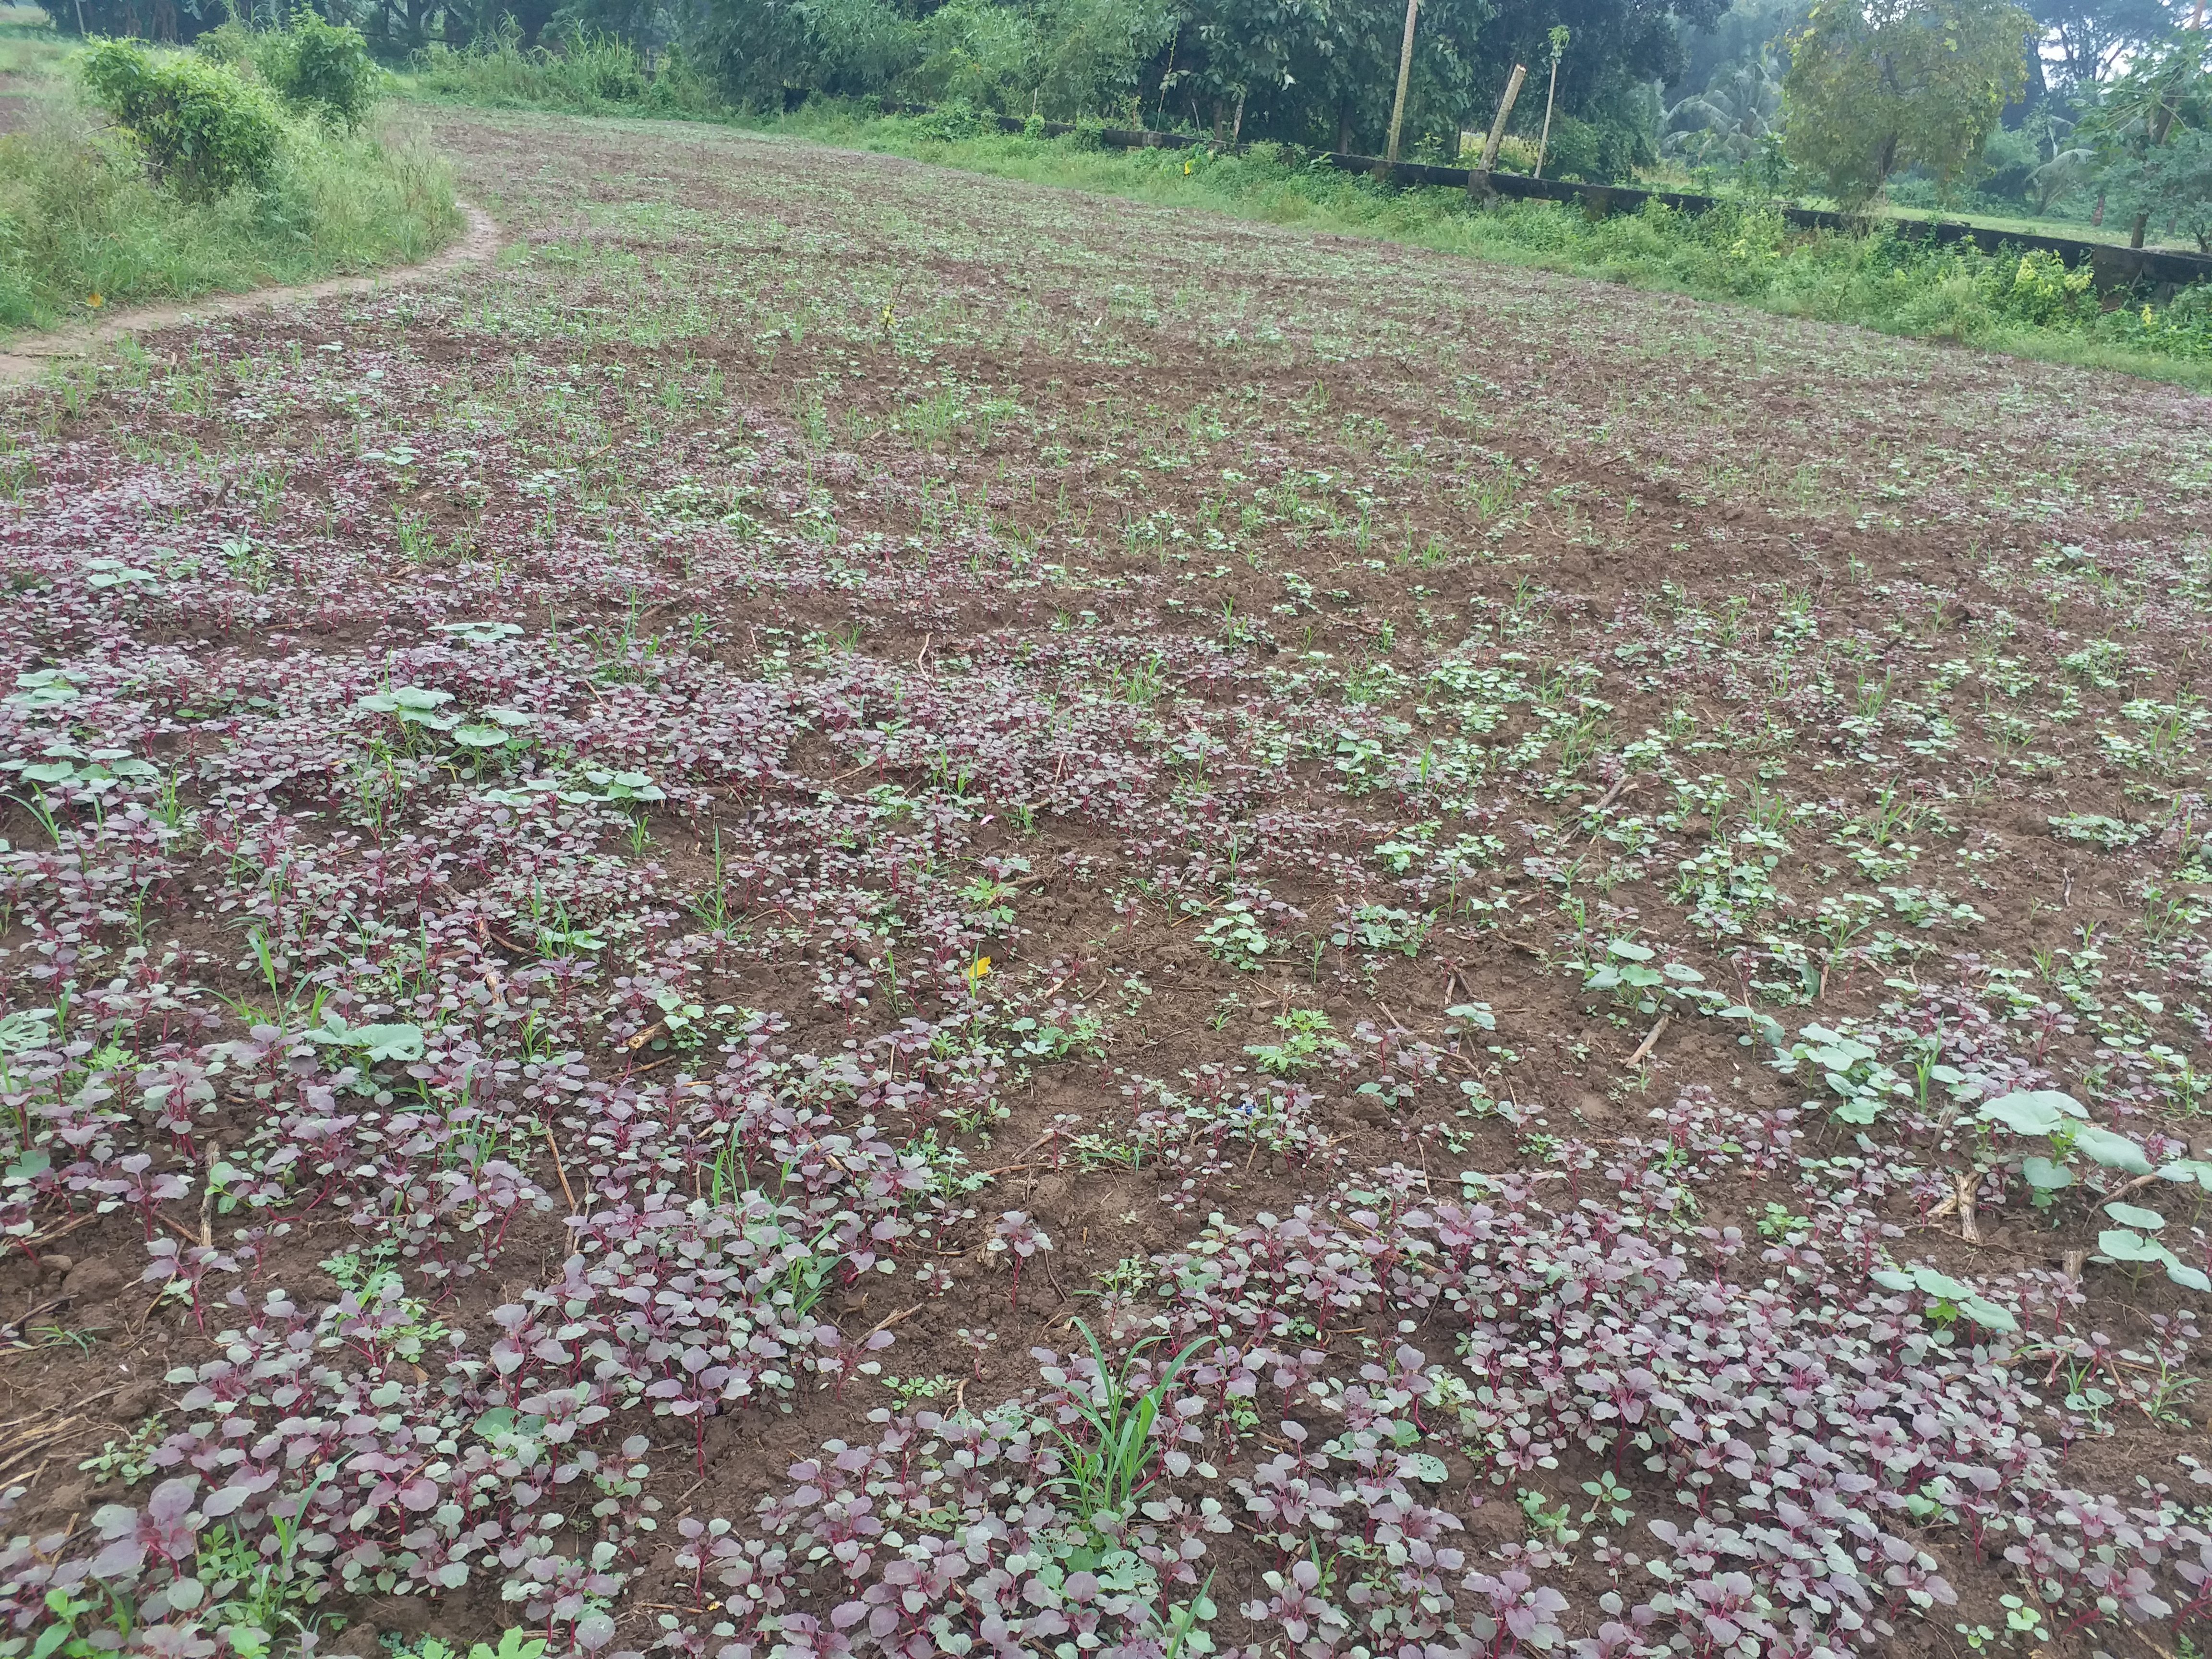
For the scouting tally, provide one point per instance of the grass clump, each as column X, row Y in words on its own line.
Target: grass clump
column 147, row 174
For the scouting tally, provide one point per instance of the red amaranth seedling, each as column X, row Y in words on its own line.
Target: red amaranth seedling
column 1015, row 1232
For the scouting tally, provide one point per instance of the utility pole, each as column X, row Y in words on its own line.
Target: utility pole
column 1404, row 69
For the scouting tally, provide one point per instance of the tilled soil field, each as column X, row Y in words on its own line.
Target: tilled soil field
column 864, row 911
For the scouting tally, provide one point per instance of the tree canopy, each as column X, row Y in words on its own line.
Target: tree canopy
column 1875, row 86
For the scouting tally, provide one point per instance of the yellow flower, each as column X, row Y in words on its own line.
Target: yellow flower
column 1186, row 169
column 2147, row 318
column 977, row 973
column 95, row 300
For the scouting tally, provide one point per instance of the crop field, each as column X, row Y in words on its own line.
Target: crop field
column 866, row 911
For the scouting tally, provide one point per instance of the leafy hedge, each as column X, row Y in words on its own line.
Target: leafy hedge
column 204, row 129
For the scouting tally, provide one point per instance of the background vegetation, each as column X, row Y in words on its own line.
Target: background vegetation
column 142, row 174
column 2014, row 113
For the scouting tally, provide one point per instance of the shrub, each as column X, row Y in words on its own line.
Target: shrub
column 81, row 214
column 606, row 67
column 325, row 67
column 952, row 121
column 204, row 129
column 587, row 72
column 2041, row 290
column 312, row 65
column 232, row 43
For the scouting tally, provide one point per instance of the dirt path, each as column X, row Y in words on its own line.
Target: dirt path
column 27, row 360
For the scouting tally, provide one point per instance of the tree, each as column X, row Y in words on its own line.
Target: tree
column 2083, row 39
column 1725, row 122
column 1608, row 109
column 2173, row 182
column 1317, row 71
column 2147, row 128
column 775, row 52
column 1875, row 86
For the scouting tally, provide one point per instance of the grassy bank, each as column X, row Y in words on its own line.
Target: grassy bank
column 85, row 227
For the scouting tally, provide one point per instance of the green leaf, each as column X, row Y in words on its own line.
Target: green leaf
column 1988, row 1315
column 1424, row 1465
column 377, row 1041
column 1932, row 1282
column 2033, row 1111
column 25, row 1029
column 390, row 1041
column 1629, row 950
column 480, row 737
column 1859, row 1109
column 2045, row 1175
column 404, row 701
column 1928, row 1282
column 2124, row 1246
column 2112, row 1150
column 2182, row 1274
column 2187, row 1169
column 2133, row 1215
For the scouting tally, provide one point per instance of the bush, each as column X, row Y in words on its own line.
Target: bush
column 2042, row 291
column 954, row 120
column 325, row 67
column 233, row 44
column 312, row 65
column 204, row 129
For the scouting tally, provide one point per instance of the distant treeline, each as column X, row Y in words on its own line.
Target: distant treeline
column 1322, row 75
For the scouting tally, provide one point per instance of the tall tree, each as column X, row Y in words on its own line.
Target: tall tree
column 1875, row 86
column 2083, row 40
column 2147, row 127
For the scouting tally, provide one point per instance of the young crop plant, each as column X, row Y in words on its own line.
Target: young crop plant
column 1235, row 935
column 1308, row 1041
